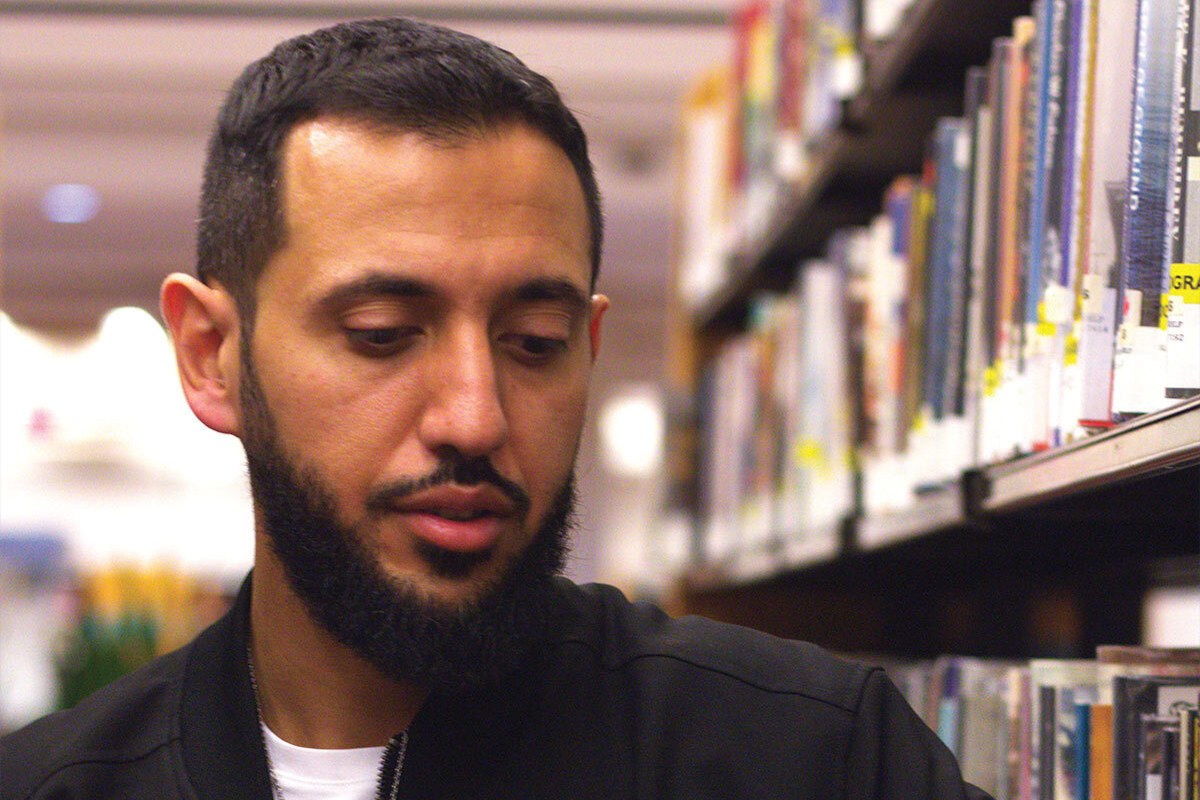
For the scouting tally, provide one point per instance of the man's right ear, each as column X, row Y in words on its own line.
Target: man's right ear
column 204, row 327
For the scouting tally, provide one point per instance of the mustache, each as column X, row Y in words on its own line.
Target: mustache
column 453, row 469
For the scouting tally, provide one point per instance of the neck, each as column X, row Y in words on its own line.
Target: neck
column 313, row 691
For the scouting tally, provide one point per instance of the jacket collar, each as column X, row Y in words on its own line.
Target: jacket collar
column 456, row 742
column 221, row 741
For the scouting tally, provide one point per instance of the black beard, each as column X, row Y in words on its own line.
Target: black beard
column 384, row 620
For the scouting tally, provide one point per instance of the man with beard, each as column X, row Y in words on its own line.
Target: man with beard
column 395, row 312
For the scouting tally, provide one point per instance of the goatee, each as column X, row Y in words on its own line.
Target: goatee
column 383, row 619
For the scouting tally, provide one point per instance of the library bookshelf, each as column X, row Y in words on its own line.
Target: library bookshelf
column 1047, row 554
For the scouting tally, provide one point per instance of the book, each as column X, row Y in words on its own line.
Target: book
column 978, row 297
column 1183, row 290
column 946, row 266
column 1081, row 755
column 1189, row 754
column 1100, row 752
column 1068, row 763
column 1082, row 110
column 1012, row 203
column 1139, row 364
column 1064, row 195
column 1056, row 685
column 1139, row 704
column 794, row 59
column 1115, row 24
column 1043, row 306
column 1158, row 754
column 704, row 188
column 988, row 438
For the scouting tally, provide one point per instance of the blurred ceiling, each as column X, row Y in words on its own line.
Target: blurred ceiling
column 120, row 95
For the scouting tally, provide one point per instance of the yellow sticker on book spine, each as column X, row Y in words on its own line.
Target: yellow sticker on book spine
column 1185, row 282
column 991, row 381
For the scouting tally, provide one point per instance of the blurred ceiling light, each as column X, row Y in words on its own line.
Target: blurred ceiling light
column 70, row 203
column 631, row 432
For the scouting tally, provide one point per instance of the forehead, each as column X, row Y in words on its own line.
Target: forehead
column 358, row 195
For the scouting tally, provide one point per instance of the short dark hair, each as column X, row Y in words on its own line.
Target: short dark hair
column 398, row 72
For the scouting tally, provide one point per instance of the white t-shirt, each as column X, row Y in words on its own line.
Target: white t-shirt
column 307, row 773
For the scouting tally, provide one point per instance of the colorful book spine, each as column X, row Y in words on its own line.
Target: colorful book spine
column 1045, row 304
column 945, row 265
column 1075, row 246
column 1139, row 366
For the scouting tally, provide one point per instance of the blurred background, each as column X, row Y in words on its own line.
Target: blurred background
column 114, row 499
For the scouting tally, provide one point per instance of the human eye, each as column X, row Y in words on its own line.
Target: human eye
column 536, row 349
column 373, row 337
column 379, row 340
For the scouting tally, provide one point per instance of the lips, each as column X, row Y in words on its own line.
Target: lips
column 464, row 520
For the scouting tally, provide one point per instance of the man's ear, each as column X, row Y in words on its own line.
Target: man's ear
column 599, row 306
column 204, row 327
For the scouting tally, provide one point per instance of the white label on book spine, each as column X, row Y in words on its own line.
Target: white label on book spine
column 1140, row 370
column 1059, row 304
column 1096, row 348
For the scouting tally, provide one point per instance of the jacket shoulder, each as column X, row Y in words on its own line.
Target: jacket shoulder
column 124, row 722
column 624, row 634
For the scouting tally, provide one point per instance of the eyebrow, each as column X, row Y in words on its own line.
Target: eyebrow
column 374, row 284
column 554, row 290
column 557, row 290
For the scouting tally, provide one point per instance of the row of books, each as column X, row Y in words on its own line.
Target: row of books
column 776, row 424
column 1123, row 726
column 749, row 131
column 1040, row 280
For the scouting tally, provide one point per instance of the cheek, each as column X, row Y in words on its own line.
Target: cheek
column 545, row 433
column 335, row 423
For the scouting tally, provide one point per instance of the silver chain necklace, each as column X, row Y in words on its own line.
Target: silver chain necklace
column 397, row 744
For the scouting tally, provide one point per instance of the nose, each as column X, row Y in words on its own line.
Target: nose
column 464, row 411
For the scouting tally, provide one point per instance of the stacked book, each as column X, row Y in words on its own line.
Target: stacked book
column 1038, row 281
column 1123, row 726
column 777, row 441
column 749, row 132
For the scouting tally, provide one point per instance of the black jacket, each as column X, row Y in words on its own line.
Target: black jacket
column 623, row 702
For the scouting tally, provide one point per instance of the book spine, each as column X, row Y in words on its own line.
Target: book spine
column 999, row 72
column 964, row 365
column 1046, row 155
column 1183, row 292
column 1081, row 755
column 1100, row 761
column 1139, row 366
column 1189, row 754
column 1112, row 98
column 976, row 360
column 945, row 277
column 1044, row 745
column 1055, row 309
column 1082, row 109
column 1018, row 402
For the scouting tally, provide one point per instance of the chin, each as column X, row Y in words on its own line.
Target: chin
column 449, row 579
